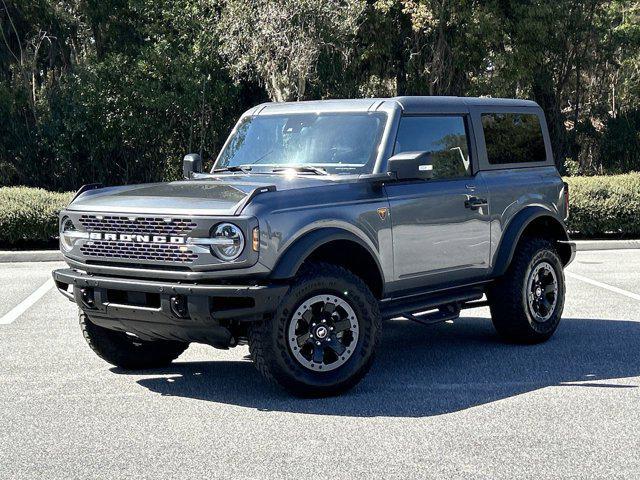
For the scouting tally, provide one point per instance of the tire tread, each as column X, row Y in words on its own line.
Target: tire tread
column 261, row 346
column 505, row 296
column 114, row 348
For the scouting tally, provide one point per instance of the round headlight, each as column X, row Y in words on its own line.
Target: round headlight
column 228, row 241
column 67, row 234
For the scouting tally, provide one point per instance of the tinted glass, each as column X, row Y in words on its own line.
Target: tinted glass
column 513, row 138
column 445, row 138
column 338, row 142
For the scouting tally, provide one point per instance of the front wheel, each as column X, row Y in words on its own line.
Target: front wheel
column 527, row 302
column 322, row 338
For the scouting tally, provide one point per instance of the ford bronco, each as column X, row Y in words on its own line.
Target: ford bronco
column 318, row 221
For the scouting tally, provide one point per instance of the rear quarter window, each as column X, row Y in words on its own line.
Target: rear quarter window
column 513, row 138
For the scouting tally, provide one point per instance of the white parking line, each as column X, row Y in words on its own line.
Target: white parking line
column 606, row 286
column 26, row 303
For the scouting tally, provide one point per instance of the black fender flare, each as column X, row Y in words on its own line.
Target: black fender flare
column 294, row 256
column 514, row 230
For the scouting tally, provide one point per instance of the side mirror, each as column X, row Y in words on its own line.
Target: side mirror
column 191, row 164
column 411, row 166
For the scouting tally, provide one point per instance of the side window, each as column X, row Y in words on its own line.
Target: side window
column 444, row 137
column 513, row 138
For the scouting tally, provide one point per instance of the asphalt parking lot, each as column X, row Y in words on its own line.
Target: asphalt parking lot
column 443, row 401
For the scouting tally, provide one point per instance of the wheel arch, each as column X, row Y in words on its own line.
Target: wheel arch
column 336, row 246
column 531, row 221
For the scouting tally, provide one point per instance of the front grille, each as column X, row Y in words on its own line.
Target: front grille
column 138, row 251
column 137, row 225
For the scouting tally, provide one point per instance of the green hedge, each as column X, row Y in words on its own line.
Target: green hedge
column 29, row 215
column 600, row 206
column 605, row 205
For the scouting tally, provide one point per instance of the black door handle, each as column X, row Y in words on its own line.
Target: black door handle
column 475, row 202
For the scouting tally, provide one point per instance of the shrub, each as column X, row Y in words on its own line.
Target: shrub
column 605, row 205
column 29, row 215
column 620, row 145
column 600, row 206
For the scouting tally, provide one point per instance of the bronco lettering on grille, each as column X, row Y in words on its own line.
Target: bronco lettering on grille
column 129, row 237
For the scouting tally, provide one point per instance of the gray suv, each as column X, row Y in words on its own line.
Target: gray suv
column 318, row 221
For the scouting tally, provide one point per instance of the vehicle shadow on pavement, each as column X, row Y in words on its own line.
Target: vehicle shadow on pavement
column 423, row 371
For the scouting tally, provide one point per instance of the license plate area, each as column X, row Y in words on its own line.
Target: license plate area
column 134, row 299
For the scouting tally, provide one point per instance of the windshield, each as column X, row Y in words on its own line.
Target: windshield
column 339, row 143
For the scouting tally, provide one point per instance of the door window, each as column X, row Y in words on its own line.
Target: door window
column 444, row 137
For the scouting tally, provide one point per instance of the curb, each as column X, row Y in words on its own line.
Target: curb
column 590, row 245
column 30, row 256
column 56, row 256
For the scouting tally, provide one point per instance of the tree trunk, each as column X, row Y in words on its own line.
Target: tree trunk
column 400, row 51
column 544, row 93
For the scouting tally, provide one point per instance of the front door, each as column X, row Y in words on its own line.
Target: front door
column 441, row 229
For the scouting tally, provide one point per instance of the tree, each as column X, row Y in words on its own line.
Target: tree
column 444, row 43
column 279, row 42
column 118, row 90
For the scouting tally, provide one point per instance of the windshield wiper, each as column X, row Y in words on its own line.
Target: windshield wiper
column 302, row 169
column 233, row 168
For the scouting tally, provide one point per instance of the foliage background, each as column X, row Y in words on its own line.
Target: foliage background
column 29, row 216
column 605, row 205
column 601, row 207
column 117, row 91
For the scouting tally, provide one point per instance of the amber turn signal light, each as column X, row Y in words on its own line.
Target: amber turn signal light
column 255, row 240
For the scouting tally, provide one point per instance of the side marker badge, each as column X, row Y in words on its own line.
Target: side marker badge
column 382, row 212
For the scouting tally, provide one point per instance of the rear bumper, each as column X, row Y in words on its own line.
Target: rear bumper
column 148, row 308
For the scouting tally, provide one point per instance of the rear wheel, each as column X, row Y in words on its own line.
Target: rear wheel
column 322, row 338
column 527, row 302
column 127, row 351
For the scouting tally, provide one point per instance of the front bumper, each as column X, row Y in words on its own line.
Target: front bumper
column 149, row 308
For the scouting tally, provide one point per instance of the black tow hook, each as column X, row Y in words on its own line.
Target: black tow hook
column 179, row 306
column 86, row 295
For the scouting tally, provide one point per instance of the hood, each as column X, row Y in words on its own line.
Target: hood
column 220, row 195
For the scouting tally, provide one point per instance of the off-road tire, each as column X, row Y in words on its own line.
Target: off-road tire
column 510, row 310
column 127, row 352
column 271, row 352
